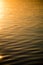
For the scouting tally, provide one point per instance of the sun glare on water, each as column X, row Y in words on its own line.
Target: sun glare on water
column 1, row 12
column 1, row 57
column 1, row 9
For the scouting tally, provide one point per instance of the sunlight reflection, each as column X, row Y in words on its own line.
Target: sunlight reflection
column 1, row 13
column 1, row 57
column 1, row 9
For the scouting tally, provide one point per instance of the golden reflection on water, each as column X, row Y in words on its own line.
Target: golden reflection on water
column 20, row 14
column 1, row 9
column 20, row 23
column 1, row 57
column 16, row 12
column 1, row 13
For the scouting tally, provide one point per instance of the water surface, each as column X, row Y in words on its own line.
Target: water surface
column 21, row 32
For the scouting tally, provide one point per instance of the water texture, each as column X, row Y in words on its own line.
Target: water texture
column 21, row 32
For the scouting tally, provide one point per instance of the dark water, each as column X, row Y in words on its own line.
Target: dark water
column 21, row 33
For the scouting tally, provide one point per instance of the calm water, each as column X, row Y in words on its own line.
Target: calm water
column 21, row 32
